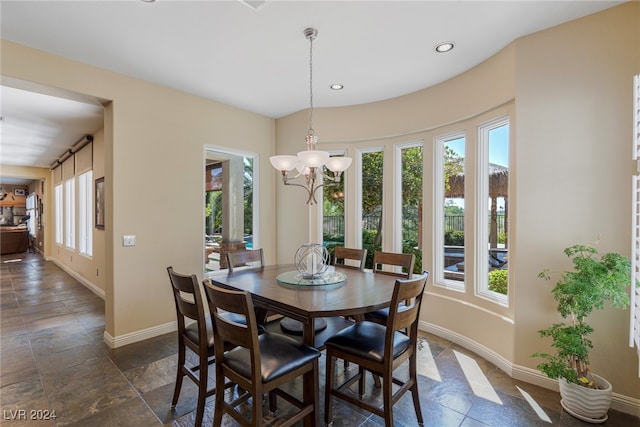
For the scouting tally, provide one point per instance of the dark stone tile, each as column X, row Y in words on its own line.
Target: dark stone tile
column 90, row 374
column 8, row 302
column 56, row 339
column 28, row 413
column 131, row 413
column 94, row 306
column 159, row 400
column 31, row 313
column 65, row 320
column 90, row 320
column 54, row 362
column 510, row 412
column 16, row 365
column 139, row 354
column 30, row 389
column 90, row 398
column 11, row 342
column 470, row 422
column 155, row 374
column 12, row 326
column 36, row 297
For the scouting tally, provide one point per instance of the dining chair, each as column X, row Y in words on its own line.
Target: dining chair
column 389, row 259
column 258, row 364
column 197, row 336
column 245, row 257
column 380, row 350
column 342, row 253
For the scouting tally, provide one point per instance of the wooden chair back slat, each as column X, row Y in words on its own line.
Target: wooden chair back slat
column 244, row 257
column 342, row 253
column 393, row 259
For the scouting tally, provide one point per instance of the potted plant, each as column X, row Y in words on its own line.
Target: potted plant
column 595, row 279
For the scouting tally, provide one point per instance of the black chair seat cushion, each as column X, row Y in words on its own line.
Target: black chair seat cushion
column 279, row 355
column 191, row 331
column 381, row 316
column 366, row 339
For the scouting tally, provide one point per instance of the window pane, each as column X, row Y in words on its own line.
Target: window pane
column 453, row 209
column 58, row 214
column 85, row 213
column 498, row 179
column 248, row 201
column 69, row 213
column 333, row 211
column 372, row 203
column 411, row 170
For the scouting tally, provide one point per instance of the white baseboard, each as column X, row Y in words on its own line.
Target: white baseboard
column 92, row 287
column 619, row 402
column 141, row 335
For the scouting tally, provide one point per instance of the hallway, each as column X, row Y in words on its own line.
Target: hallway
column 53, row 361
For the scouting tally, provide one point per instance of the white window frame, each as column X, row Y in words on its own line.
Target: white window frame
column 59, row 216
column 85, row 213
column 69, row 213
column 438, row 215
column 482, row 207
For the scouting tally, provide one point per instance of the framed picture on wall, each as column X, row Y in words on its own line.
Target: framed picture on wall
column 99, row 208
column 19, row 191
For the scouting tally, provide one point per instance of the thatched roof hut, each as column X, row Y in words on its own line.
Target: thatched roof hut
column 498, row 183
column 498, row 187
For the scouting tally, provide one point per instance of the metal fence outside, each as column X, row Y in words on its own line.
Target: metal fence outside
column 334, row 224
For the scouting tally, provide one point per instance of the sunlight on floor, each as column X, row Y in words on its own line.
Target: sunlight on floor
column 534, row 405
column 426, row 364
column 477, row 380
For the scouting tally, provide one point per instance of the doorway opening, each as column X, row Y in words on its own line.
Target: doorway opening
column 230, row 204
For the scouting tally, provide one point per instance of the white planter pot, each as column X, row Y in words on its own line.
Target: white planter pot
column 585, row 403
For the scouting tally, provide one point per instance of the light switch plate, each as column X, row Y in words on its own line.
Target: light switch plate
column 129, row 240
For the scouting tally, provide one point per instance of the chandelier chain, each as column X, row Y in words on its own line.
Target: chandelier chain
column 311, row 130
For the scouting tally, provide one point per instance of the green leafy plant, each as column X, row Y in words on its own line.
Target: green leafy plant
column 595, row 279
column 498, row 281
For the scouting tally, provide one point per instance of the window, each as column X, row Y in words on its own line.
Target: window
column 449, row 215
column 59, row 214
column 408, row 201
column 333, row 230
column 85, row 213
column 371, row 174
column 493, row 195
column 69, row 213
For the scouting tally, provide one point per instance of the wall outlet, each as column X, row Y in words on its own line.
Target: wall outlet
column 129, row 240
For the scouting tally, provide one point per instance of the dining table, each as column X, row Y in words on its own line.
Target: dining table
column 334, row 296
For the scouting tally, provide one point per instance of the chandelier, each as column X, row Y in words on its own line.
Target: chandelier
column 311, row 163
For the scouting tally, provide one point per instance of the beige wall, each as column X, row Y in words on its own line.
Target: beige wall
column 571, row 88
column 154, row 141
column 574, row 103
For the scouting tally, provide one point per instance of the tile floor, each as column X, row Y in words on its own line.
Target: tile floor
column 53, row 361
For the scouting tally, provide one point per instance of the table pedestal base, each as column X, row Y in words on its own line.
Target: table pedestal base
column 294, row 326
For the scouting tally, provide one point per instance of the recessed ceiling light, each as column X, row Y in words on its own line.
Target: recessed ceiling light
column 337, row 86
column 444, row 47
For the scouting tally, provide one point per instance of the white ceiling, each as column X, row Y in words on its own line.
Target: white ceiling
column 254, row 59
